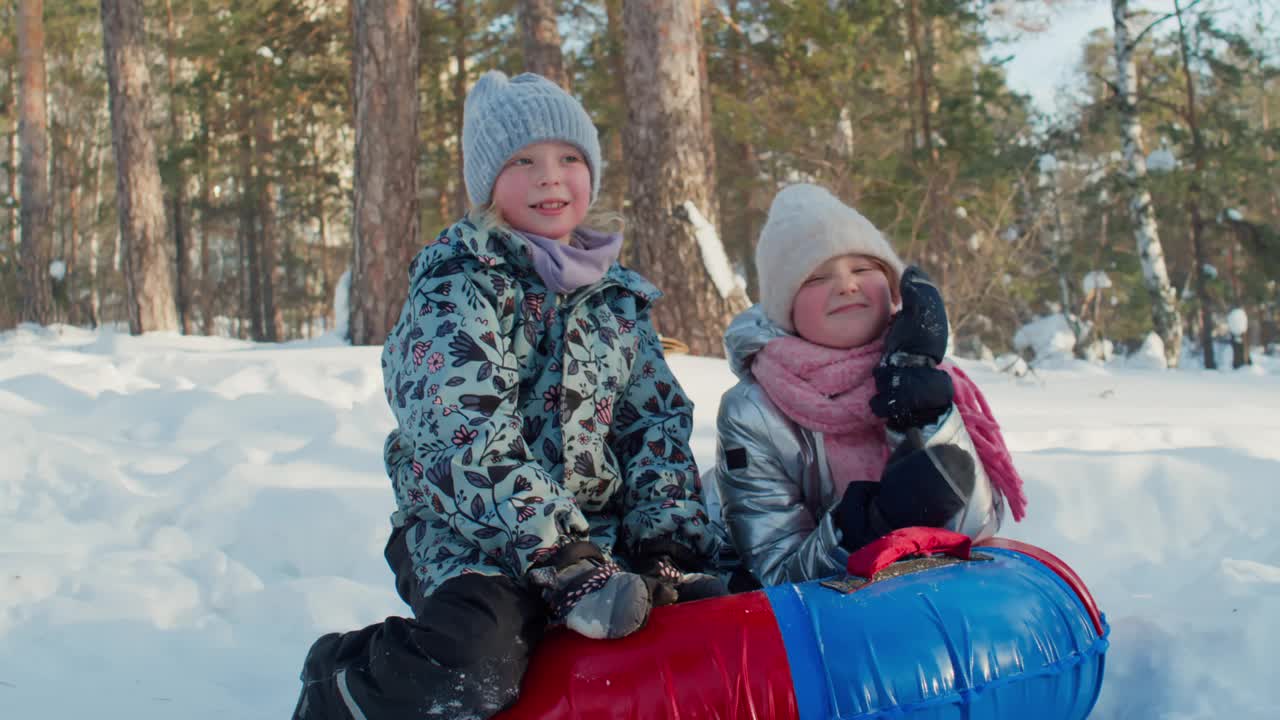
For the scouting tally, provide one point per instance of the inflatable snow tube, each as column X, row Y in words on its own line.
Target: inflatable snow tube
column 1004, row 631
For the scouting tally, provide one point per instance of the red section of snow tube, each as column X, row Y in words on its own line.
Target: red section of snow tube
column 721, row 658
column 1058, row 566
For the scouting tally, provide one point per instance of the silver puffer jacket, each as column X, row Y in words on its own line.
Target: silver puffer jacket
column 777, row 509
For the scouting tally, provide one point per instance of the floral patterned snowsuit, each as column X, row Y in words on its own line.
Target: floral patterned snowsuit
column 528, row 419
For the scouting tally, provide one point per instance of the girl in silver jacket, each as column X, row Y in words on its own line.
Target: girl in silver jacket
column 846, row 423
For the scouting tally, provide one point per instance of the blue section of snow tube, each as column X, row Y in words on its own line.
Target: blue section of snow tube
column 984, row 640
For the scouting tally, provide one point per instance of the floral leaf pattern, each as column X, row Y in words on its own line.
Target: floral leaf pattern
column 527, row 419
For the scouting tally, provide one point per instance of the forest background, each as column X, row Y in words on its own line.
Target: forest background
column 264, row 169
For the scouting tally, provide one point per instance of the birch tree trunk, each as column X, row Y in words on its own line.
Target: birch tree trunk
column 665, row 140
column 540, row 40
column 149, row 296
column 385, row 227
column 1166, row 319
column 33, row 138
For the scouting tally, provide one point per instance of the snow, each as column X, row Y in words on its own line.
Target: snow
column 1237, row 322
column 1048, row 164
column 183, row 516
column 1150, row 356
column 715, row 260
column 1233, row 214
column 1096, row 280
column 1048, row 337
column 58, row 270
column 1161, row 160
column 342, row 306
column 757, row 33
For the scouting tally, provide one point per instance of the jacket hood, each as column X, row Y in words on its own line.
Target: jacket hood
column 749, row 332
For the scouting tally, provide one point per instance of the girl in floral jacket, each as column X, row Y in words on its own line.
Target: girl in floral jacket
column 541, row 460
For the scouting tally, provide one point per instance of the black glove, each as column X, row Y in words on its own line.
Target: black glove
column 920, row 327
column 910, row 390
column 594, row 597
column 674, row 566
column 913, row 492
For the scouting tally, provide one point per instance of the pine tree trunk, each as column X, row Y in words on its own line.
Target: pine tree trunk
column 326, row 288
column 250, row 272
column 71, row 247
column 33, row 132
column 148, row 271
column 95, row 230
column 614, row 183
column 541, row 40
column 665, row 141
column 11, row 157
column 385, row 224
column 460, row 198
column 205, row 152
column 272, row 275
column 1194, row 197
column 1166, row 319
column 920, row 63
column 178, row 195
column 712, row 209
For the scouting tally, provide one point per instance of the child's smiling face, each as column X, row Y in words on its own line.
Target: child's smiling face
column 544, row 189
column 846, row 302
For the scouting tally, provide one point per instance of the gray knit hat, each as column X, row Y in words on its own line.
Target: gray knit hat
column 502, row 115
column 807, row 225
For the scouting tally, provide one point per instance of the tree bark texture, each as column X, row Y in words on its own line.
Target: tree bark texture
column 1165, row 317
column 665, row 140
column 385, row 227
column 540, row 40
column 461, row 28
column 250, row 253
column 178, row 193
column 1194, row 195
column 33, row 138
column 11, row 157
column 149, row 298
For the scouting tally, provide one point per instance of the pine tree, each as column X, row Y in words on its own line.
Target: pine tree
column 33, row 133
column 665, row 142
column 385, row 226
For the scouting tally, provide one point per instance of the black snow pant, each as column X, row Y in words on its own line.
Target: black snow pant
column 462, row 655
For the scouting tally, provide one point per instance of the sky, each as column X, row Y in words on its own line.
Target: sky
column 1045, row 61
column 180, row 517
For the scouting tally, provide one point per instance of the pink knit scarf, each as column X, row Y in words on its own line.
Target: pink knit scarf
column 829, row 391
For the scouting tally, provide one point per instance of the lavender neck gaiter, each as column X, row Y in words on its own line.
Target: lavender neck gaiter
column 565, row 267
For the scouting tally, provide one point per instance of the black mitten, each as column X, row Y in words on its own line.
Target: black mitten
column 919, row 329
column 910, row 390
column 914, row 491
column 674, row 566
column 908, row 397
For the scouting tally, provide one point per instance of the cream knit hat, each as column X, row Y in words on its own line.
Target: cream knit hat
column 807, row 225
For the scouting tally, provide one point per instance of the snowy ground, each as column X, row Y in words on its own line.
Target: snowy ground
column 180, row 517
